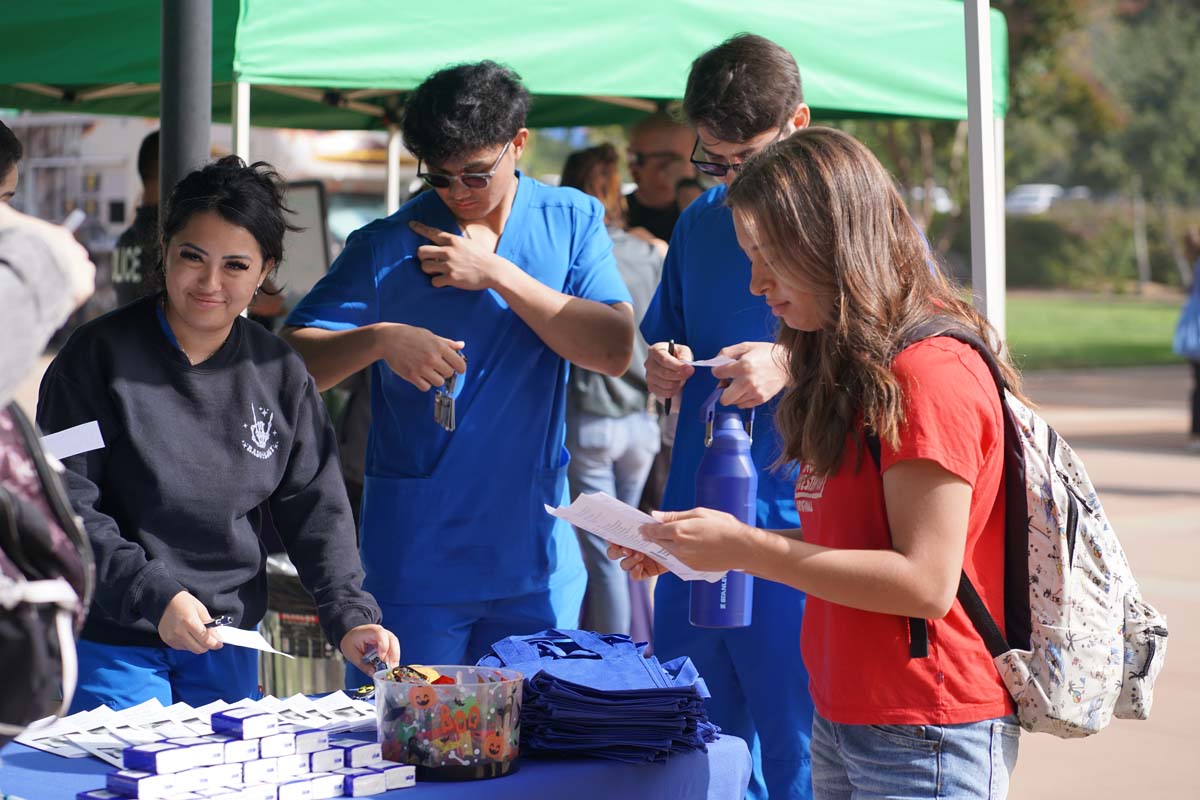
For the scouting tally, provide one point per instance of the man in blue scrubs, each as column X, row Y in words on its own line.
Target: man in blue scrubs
column 741, row 96
column 502, row 280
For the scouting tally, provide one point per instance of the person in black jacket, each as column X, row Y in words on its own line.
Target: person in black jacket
column 205, row 416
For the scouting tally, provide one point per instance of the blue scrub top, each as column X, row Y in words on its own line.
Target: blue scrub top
column 704, row 301
column 452, row 517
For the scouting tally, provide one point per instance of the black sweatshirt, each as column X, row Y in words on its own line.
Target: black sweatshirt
column 190, row 453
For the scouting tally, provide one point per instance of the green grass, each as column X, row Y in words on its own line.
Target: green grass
column 1054, row 331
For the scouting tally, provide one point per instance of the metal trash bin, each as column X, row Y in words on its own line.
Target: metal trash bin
column 291, row 626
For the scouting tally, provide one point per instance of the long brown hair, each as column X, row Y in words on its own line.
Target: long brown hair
column 826, row 215
column 597, row 171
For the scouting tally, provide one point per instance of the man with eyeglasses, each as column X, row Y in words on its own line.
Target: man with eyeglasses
column 500, row 281
column 741, row 96
column 658, row 159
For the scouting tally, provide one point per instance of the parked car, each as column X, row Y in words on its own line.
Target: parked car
column 1032, row 198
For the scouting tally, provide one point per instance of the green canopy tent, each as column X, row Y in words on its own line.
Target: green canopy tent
column 347, row 64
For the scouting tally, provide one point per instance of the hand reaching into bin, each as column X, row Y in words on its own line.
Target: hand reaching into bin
column 358, row 641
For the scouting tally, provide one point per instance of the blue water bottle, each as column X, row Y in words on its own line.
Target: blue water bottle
column 725, row 481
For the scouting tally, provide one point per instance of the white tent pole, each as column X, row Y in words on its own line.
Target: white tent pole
column 1000, row 232
column 241, row 120
column 987, row 270
column 393, row 168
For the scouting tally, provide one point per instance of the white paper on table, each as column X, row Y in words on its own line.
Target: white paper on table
column 616, row 522
column 241, row 638
column 347, row 713
column 715, row 361
column 73, row 441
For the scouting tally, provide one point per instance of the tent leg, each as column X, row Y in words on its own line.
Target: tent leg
column 987, row 271
column 393, row 169
column 241, row 120
column 185, row 105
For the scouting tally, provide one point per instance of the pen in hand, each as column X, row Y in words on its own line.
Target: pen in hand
column 670, row 352
column 224, row 619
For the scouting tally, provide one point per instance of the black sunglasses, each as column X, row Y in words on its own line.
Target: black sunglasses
column 718, row 169
column 471, row 180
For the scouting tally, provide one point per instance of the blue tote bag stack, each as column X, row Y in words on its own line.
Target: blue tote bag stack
column 598, row 695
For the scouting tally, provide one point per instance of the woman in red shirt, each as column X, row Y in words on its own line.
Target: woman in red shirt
column 840, row 262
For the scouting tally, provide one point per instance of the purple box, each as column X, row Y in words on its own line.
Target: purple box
column 295, row 790
column 245, row 723
column 326, row 785
column 359, row 782
column 311, row 741
column 398, row 776
column 202, row 751
column 236, row 750
column 276, row 745
column 143, row 785
column 359, row 753
column 327, row 760
column 161, row 758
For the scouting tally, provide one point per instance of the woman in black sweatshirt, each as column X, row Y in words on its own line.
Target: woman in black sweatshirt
column 205, row 416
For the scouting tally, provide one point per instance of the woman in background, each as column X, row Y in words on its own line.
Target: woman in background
column 612, row 434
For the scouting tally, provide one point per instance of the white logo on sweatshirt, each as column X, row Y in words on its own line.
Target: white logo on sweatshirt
column 264, row 439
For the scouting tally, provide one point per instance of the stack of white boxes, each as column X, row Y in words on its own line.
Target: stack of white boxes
column 249, row 757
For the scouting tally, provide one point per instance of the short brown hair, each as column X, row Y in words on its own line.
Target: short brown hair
column 742, row 87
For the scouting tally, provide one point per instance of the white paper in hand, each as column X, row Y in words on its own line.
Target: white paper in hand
column 240, row 638
column 616, row 522
column 715, row 361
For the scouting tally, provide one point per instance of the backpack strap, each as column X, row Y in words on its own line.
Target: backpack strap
column 1016, row 516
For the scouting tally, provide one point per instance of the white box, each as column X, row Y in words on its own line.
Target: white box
column 398, row 776
column 160, row 758
column 300, row 789
column 225, row 775
column 203, row 752
column 143, row 785
column 245, row 723
column 185, row 796
column 277, row 744
column 359, row 753
column 265, row 770
column 326, row 785
column 236, row 750
column 311, row 741
column 361, row 782
column 258, row 791
column 291, row 767
column 327, row 760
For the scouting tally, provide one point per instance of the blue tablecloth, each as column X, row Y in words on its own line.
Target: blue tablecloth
column 720, row 774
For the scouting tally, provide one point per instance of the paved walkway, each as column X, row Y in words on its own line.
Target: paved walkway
column 1129, row 426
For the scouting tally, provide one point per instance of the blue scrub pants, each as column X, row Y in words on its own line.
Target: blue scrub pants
column 758, row 682
column 461, row 633
column 121, row 676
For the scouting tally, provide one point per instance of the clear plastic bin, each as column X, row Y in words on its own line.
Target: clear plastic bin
column 463, row 731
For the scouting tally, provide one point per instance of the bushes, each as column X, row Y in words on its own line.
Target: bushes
column 1078, row 245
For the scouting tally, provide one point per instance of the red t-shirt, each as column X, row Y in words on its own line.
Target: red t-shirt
column 858, row 661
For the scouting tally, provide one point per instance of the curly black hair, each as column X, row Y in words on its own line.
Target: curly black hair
column 250, row 197
column 464, row 109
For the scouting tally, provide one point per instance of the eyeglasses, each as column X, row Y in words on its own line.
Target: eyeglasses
column 637, row 159
column 718, row 169
column 471, row 180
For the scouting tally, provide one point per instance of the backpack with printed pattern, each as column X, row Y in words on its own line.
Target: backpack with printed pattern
column 1081, row 645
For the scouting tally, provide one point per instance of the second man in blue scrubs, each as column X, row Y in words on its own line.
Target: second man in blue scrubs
column 503, row 280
